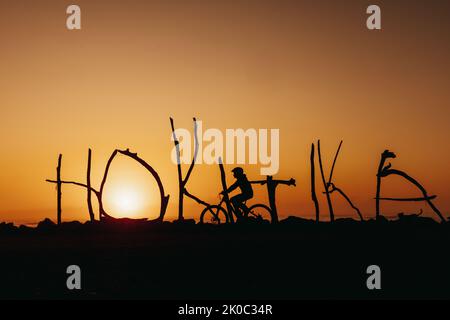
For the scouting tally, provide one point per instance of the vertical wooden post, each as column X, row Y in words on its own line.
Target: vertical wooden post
column 180, row 175
column 313, row 184
column 271, row 186
column 384, row 156
column 377, row 196
column 225, row 195
column 88, row 183
column 58, row 190
column 182, row 182
column 334, row 163
column 325, row 184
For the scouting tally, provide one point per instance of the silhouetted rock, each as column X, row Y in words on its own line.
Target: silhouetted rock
column 46, row 225
column 296, row 220
column 7, row 227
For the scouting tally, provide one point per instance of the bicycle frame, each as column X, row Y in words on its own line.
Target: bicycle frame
column 246, row 210
column 206, row 204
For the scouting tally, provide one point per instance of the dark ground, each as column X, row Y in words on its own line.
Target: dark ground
column 295, row 259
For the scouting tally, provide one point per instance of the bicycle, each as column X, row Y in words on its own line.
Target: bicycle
column 217, row 214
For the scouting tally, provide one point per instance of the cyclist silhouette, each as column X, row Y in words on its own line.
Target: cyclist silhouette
column 246, row 191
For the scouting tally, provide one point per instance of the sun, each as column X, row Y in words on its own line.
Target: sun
column 130, row 192
column 126, row 200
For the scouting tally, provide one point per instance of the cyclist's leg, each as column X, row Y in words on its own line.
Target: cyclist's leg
column 243, row 206
column 236, row 201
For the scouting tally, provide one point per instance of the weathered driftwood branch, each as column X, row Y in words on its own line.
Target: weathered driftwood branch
column 198, row 200
column 409, row 199
column 182, row 182
column 163, row 197
column 102, row 212
column 97, row 193
column 387, row 171
column 290, row 182
column 329, row 186
column 194, row 158
column 325, row 183
column 313, row 184
column 134, row 156
column 334, row 162
column 88, row 189
column 261, row 182
column 271, row 191
column 58, row 190
column 384, row 156
column 334, row 188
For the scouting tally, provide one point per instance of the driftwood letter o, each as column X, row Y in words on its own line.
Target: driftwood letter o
column 134, row 156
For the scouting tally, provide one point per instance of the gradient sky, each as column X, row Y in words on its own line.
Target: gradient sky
column 309, row 68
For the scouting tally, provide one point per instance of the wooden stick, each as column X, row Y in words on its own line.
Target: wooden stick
column 409, row 199
column 313, row 184
column 182, row 182
column 272, row 184
column 77, row 184
column 387, row 172
column 385, row 155
column 102, row 212
column 58, row 188
column 88, row 189
column 99, row 193
column 180, row 177
column 191, row 167
column 377, row 196
column 198, row 200
column 334, row 162
column 271, row 192
column 74, row 183
column 325, row 184
column 163, row 197
column 334, row 188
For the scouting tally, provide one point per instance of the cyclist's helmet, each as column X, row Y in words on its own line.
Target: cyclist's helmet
column 238, row 171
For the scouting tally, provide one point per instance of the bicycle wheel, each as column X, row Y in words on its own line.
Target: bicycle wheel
column 214, row 215
column 260, row 212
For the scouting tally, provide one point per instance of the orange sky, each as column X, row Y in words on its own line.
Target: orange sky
column 311, row 69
